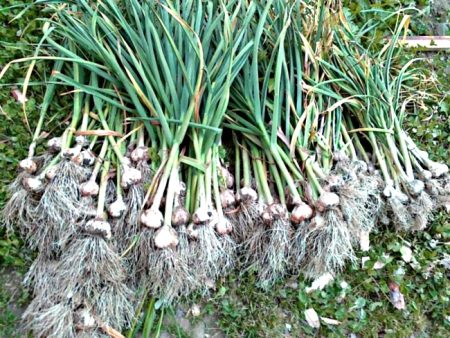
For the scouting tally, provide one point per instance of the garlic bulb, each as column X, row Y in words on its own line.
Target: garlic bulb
column 301, row 213
column 130, row 176
column 166, row 237
column 117, row 208
column 28, row 165
column 152, row 218
column 34, row 184
column 139, row 154
column 98, row 227
column 327, row 200
column 89, row 188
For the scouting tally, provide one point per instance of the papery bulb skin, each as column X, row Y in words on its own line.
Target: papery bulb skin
column 180, row 216
column 28, row 165
column 227, row 199
column 301, row 212
column 117, row 208
column 192, row 231
column 98, row 227
column 438, row 169
column 152, row 218
column 54, row 145
column 180, row 190
column 139, row 154
column 166, row 237
column 248, row 195
column 51, row 173
column 89, row 188
column 33, row 184
column 228, row 177
column 327, row 200
column 415, row 187
column 130, row 176
column 82, row 141
column 73, row 153
column 224, row 227
column 88, row 158
column 202, row 215
column 425, row 175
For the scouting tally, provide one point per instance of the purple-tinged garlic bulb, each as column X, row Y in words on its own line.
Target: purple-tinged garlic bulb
column 152, row 218
column 247, row 195
column 228, row 177
column 28, row 165
column 130, row 176
column 117, row 208
column 326, row 201
column 33, row 184
column 301, row 213
column 72, row 153
column 192, row 231
column 166, row 237
column 89, row 188
column 98, row 227
column 54, row 144
column 139, row 154
column 227, row 199
column 202, row 215
column 273, row 212
column 224, row 226
column 88, row 158
column 180, row 216
column 51, row 172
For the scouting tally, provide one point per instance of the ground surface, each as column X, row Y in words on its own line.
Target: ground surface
column 359, row 298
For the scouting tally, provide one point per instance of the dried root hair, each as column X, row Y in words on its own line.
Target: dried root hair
column 138, row 262
column 168, row 275
column 421, row 208
column 326, row 244
column 207, row 250
column 114, row 304
column 40, row 275
column 20, row 211
column 60, row 203
column 273, row 263
column 88, row 263
column 51, row 321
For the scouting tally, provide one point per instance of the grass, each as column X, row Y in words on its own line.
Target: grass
column 363, row 306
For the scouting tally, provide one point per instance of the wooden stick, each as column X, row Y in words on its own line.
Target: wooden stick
column 432, row 43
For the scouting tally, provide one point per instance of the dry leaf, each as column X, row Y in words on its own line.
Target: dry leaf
column 195, row 310
column 364, row 242
column 312, row 318
column 406, row 253
column 397, row 298
column 17, row 94
column 320, row 283
column 330, row 321
column 364, row 260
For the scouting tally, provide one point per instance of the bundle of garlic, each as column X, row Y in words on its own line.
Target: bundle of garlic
column 205, row 137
